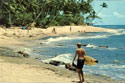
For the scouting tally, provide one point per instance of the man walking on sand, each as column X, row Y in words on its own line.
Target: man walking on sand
column 80, row 61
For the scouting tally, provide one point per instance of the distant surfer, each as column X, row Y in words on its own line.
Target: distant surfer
column 80, row 61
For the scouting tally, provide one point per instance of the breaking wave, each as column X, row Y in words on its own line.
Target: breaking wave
column 107, row 70
column 99, row 69
column 62, row 57
column 73, row 38
column 61, row 38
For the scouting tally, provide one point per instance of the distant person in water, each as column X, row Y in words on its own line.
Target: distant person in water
column 80, row 52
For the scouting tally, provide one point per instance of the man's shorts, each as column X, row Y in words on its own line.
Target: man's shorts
column 80, row 63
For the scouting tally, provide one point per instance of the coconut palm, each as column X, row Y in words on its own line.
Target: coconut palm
column 104, row 5
column 95, row 15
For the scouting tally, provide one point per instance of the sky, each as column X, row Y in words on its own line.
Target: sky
column 113, row 15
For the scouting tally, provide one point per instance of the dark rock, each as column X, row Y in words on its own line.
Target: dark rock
column 67, row 65
column 42, row 43
column 37, row 58
column 56, row 63
column 104, row 46
column 70, row 67
column 24, row 54
column 59, row 45
column 31, row 36
column 85, row 45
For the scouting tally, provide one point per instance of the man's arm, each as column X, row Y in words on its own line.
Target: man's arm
column 74, row 57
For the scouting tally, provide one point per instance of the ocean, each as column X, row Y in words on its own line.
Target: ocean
column 111, row 59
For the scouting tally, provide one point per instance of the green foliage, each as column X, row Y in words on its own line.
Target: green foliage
column 46, row 12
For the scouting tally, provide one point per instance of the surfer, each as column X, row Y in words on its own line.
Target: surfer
column 80, row 61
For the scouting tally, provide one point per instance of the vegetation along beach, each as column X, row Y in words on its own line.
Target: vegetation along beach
column 38, row 41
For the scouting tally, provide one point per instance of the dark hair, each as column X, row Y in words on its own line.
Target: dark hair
column 79, row 46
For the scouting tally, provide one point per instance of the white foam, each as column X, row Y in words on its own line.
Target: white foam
column 112, row 32
column 118, row 32
column 57, row 39
column 25, row 50
column 97, row 36
column 73, row 38
column 62, row 57
column 91, row 46
column 94, row 46
column 112, row 48
column 110, row 66
column 114, row 71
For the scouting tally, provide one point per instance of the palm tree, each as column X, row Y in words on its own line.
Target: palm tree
column 95, row 15
column 46, row 12
column 104, row 5
column 90, row 18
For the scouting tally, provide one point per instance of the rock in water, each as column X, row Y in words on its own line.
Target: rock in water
column 24, row 54
column 103, row 46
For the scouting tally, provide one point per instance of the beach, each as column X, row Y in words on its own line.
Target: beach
column 16, row 35
column 20, row 69
column 29, row 70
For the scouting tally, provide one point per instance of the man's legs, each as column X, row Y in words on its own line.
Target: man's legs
column 80, row 75
column 80, row 64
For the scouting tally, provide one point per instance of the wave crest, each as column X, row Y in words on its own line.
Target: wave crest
column 66, row 58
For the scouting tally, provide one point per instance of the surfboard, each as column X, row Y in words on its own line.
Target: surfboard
column 90, row 60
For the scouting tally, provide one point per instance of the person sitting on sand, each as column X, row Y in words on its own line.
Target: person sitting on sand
column 80, row 61
column 54, row 31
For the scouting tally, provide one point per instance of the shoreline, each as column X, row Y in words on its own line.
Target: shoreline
column 11, row 40
column 18, row 36
column 23, row 69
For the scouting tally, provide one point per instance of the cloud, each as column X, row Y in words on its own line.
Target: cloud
column 119, row 15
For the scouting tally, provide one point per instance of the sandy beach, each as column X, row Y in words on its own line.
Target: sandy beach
column 16, row 35
column 33, row 71
column 25, row 70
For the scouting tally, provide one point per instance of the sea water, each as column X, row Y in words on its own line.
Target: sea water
column 111, row 59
